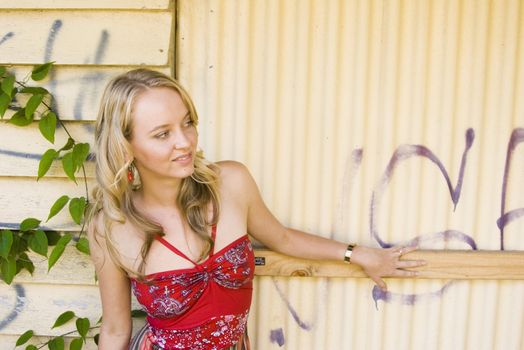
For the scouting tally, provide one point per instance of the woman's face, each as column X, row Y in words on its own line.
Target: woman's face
column 163, row 138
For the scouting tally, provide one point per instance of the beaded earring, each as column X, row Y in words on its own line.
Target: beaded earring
column 133, row 177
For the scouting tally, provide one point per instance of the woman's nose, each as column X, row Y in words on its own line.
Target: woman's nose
column 180, row 140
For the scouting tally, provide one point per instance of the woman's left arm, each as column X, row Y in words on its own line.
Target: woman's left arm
column 263, row 226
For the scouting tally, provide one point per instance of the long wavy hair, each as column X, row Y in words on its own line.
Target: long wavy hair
column 111, row 197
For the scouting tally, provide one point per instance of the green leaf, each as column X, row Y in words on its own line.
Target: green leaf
column 8, row 269
column 80, row 153
column 64, row 318
column 19, row 118
column 31, row 347
column 4, row 103
column 69, row 144
column 6, row 242
column 83, row 245
column 33, row 104
column 82, row 326
column 8, row 84
column 34, row 90
column 76, row 344
column 19, row 244
column 56, row 344
column 29, row 224
column 25, row 263
column 58, row 206
column 76, row 209
column 47, row 126
column 2, row 70
column 58, row 250
column 41, row 71
column 39, row 243
column 46, row 161
column 24, row 338
column 69, row 166
column 53, row 237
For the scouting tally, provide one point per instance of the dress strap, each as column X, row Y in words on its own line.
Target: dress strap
column 173, row 248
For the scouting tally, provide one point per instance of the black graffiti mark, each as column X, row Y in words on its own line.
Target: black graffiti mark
column 36, row 156
column 17, row 308
column 405, row 152
column 6, row 37
column 92, row 79
column 48, row 54
column 25, row 155
column 517, row 137
column 51, row 38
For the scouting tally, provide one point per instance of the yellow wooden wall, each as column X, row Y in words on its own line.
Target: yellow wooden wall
column 91, row 41
column 335, row 106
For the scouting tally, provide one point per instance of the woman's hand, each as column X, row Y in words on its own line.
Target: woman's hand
column 378, row 263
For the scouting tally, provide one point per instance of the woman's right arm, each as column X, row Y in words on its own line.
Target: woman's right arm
column 115, row 293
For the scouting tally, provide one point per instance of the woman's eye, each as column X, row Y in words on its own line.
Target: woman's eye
column 189, row 122
column 162, row 135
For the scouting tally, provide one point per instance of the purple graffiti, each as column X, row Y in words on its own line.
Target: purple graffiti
column 405, row 152
column 302, row 324
column 353, row 162
column 277, row 336
column 406, row 299
column 402, row 153
column 517, row 137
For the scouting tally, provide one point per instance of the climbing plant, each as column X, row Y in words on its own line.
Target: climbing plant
column 28, row 104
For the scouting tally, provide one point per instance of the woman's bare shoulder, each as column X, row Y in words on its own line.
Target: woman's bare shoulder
column 236, row 179
column 231, row 170
column 120, row 233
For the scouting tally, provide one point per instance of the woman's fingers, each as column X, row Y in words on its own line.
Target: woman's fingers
column 380, row 283
column 406, row 264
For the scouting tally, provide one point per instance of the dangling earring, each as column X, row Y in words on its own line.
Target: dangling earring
column 133, row 177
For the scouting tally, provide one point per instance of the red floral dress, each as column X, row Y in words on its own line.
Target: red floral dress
column 203, row 307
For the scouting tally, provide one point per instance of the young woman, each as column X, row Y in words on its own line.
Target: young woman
column 173, row 227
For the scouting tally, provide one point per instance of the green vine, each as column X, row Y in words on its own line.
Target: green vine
column 30, row 236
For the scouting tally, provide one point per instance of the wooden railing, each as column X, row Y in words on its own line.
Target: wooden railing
column 441, row 264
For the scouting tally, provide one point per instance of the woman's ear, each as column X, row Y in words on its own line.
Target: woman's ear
column 128, row 157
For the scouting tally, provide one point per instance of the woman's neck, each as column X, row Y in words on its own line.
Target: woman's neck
column 161, row 194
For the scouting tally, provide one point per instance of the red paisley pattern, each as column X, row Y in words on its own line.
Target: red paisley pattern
column 204, row 307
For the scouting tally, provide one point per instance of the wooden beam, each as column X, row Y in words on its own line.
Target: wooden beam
column 441, row 264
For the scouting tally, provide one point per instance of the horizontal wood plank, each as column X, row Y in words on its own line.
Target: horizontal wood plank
column 26, row 306
column 86, row 37
column 22, row 147
column 25, row 197
column 76, row 89
column 85, row 4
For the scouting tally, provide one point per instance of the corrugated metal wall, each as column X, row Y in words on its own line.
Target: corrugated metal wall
column 351, row 116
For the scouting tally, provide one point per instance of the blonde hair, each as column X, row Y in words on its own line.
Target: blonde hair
column 112, row 194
